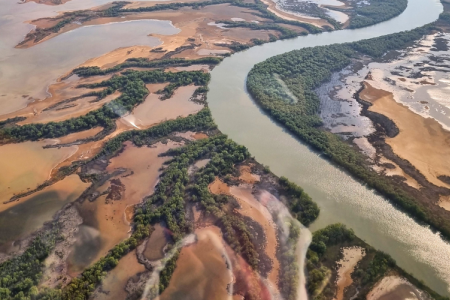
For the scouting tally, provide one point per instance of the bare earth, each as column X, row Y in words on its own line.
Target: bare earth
column 346, row 266
column 423, row 142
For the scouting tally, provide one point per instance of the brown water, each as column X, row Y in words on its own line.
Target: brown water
column 80, row 107
column 153, row 110
column 31, row 212
column 79, row 135
column 105, row 223
column 30, row 71
column 113, row 286
column 26, row 165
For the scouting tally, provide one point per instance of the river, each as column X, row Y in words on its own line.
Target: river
column 342, row 199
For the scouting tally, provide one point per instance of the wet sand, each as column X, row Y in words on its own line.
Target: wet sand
column 394, row 288
column 421, row 141
column 199, row 136
column 26, row 165
column 247, row 176
column 113, row 286
column 346, row 266
column 47, row 2
column 397, row 171
column 73, row 109
column 70, row 138
column 218, row 187
column 201, row 271
column 36, row 209
column 197, row 165
column 204, row 68
column 444, row 202
column 252, row 208
column 366, row 147
column 108, row 217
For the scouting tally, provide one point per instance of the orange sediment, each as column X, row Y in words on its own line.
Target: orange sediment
column 421, row 141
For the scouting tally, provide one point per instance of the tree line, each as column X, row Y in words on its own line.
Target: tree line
column 376, row 12
column 146, row 63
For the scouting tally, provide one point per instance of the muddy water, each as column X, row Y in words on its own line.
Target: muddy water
column 153, row 110
column 104, row 221
column 26, row 165
column 36, row 209
column 342, row 199
column 113, row 286
column 79, row 108
column 30, row 71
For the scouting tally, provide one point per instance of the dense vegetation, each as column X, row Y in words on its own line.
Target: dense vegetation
column 300, row 204
column 285, row 32
column 146, row 63
column 445, row 17
column 284, row 86
column 336, row 234
column 376, row 12
column 131, row 85
column 20, row 275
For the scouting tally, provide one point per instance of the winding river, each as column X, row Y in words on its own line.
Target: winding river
column 342, row 199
